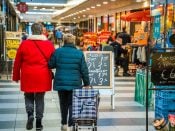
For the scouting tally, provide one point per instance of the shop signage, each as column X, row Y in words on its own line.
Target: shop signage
column 12, row 41
column 22, row 7
column 156, row 29
column 100, row 68
column 163, row 68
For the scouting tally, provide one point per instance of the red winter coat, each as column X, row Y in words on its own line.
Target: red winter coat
column 30, row 66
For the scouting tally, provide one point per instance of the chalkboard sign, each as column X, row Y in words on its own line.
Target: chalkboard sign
column 163, row 68
column 100, row 68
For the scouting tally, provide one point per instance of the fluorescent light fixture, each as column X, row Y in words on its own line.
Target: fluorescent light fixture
column 98, row 5
column 92, row 7
column 90, row 16
column 41, row 13
column 140, row 0
column 44, row 4
column 35, row 7
column 105, row 2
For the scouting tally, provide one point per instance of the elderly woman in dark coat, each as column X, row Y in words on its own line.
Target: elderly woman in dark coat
column 71, row 70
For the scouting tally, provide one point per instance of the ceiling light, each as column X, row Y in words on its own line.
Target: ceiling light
column 74, row 18
column 87, row 8
column 53, row 7
column 105, row 2
column 84, row 15
column 113, row 0
column 98, row 5
column 92, row 7
column 83, row 10
column 43, row 8
column 35, row 7
column 140, row 0
column 78, row 16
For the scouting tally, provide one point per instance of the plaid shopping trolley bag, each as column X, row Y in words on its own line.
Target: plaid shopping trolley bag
column 85, row 108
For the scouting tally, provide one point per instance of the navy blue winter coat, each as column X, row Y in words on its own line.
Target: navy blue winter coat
column 71, row 68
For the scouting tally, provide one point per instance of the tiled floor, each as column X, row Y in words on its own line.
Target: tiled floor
column 127, row 116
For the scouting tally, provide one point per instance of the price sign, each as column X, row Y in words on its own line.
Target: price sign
column 100, row 68
column 163, row 68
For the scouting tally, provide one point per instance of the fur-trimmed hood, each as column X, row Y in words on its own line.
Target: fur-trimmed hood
column 37, row 37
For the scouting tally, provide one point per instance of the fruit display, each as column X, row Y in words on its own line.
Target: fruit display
column 90, row 38
column 103, row 37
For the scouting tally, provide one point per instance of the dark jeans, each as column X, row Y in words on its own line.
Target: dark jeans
column 38, row 100
column 123, row 61
column 65, row 98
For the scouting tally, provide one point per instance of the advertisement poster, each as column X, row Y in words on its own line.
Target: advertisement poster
column 12, row 43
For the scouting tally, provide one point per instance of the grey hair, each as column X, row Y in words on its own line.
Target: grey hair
column 37, row 29
column 69, row 38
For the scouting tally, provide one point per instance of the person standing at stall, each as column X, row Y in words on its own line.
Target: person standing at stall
column 126, row 38
column 120, row 54
column 31, row 68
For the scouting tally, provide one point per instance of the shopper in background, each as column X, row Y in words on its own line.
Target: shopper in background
column 51, row 36
column 31, row 68
column 71, row 70
column 45, row 32
column 59, row 37
column 120, row 55
column 126, row 38
column 24, row 36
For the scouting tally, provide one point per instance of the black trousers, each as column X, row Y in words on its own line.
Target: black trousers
column 36, row 99
column 65, row 98
column 124, row 62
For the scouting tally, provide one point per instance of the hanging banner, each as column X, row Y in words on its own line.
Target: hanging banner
column 12, row 41
column 163, row 68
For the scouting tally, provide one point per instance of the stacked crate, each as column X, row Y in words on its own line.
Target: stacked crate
column 164, row 103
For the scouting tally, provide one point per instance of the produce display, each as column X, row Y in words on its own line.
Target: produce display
column 103, row 37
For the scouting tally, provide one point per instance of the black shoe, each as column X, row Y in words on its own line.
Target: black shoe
column 29, row 124
column 126, row 74
column 39, row 125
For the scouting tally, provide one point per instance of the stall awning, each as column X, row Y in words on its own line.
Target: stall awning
column 137, row 16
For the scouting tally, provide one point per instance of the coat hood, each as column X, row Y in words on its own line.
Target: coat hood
column 37, row 37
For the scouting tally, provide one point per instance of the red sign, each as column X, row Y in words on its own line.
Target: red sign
column 22, row 7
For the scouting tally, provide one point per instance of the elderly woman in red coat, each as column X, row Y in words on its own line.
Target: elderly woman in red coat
column 31, row 68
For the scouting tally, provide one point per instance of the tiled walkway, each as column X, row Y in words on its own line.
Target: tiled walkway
column 127, row 116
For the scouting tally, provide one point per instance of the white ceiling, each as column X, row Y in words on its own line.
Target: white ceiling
column 76, row 10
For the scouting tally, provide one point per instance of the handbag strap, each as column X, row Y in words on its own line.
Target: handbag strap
column 40, row 51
